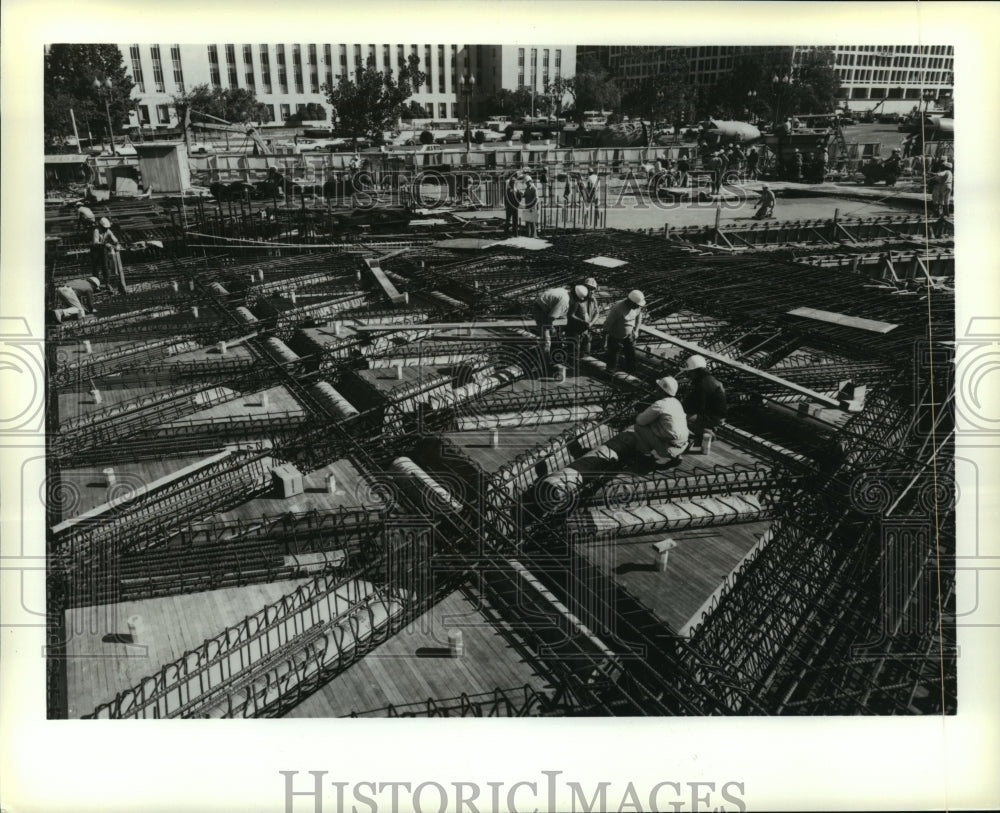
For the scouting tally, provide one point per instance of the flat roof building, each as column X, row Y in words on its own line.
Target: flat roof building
column 286, row 77
column 898, row 75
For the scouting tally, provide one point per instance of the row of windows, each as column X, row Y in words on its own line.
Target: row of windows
column 896, row 61
column 943, row 50
column 232, row 73
column 159, row 82
column 914, row 77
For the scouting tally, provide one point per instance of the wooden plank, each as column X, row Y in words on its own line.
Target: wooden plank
column 138, row 492
column 697, row 567
column 411, row 667
column 858, row 322
column 384, row 282
column 108, row 668
column 737, row 365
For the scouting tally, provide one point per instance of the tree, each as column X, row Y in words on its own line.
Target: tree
column 593, row 88
column 512, row 103
column 662, row 97
column 311, row 112
column 374, row 101
column 414, row 110
column 815, row 83
column 70, row 71
column 235, row 105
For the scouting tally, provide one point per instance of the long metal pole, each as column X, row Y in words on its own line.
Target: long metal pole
column 111, row 132
column 76, row 133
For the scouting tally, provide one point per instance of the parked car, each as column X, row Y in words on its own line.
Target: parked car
column 491, row 136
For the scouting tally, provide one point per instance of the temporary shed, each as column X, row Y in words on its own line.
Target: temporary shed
column 164, row 167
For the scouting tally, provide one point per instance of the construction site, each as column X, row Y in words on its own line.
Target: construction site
column 313, row 462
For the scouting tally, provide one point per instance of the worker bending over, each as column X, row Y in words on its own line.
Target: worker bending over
column 621, row 326
column 78, row 297
column 582, row 315
column 705, row 401
column 767, row 201
column 552, row 304
column 661, row 430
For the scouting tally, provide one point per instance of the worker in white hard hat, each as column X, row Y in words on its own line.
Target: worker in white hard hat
column 552, row 304
column 104, row 240
column 529, row 212
column 583, row 311
column 661, row 430
column 78, row 297
column 705, row 399
column 621, row 326
column 942, row 181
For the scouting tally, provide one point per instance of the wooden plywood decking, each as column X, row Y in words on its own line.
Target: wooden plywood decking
column 413, row 665
column 696, row 567
column 248, row 407
column 86, row 488
column 97, row 670
column 76, row 402
column 351, row 493
column 723, row 454
column 513, row 441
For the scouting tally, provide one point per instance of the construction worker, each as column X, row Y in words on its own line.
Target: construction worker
column 111, row 264
column 767, row 201
column 552, row 304
column 530, row 212
column 78, row 297
column 621, row 326
column 705, row 401
column 582, row 314
column 661, row 430
column 511, row 205
column 943, row 181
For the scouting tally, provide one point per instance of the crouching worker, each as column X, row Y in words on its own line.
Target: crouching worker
column 77, row 297
column 767, row 201
column 661, row 429
column 705, row 401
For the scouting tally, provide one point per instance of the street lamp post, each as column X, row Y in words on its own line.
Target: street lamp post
column 780, row 85
column 467, row 86
column 751, row 105
column 929, row 96
column 104, row 91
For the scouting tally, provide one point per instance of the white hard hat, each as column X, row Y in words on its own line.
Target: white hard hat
column 668, row 384
column 637, row 298
column 581, row 291
column 94, row 281
column 695, row 362
column 105, row 223
column 591, row 283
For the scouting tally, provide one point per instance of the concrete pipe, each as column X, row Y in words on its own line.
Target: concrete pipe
column 557, row 491
column 246, row 316
column 280, row 351
column 433, row 495
column 334, row 402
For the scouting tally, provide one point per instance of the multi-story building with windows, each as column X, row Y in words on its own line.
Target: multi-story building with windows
column 286, row 77
column 895, row 76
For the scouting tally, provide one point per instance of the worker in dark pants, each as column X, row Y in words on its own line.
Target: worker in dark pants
column 705, row 401
column 511, row 205
column 87, row 221
column 550, row 305
column 621, row 327
column 112, row 273
column 582, row 315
